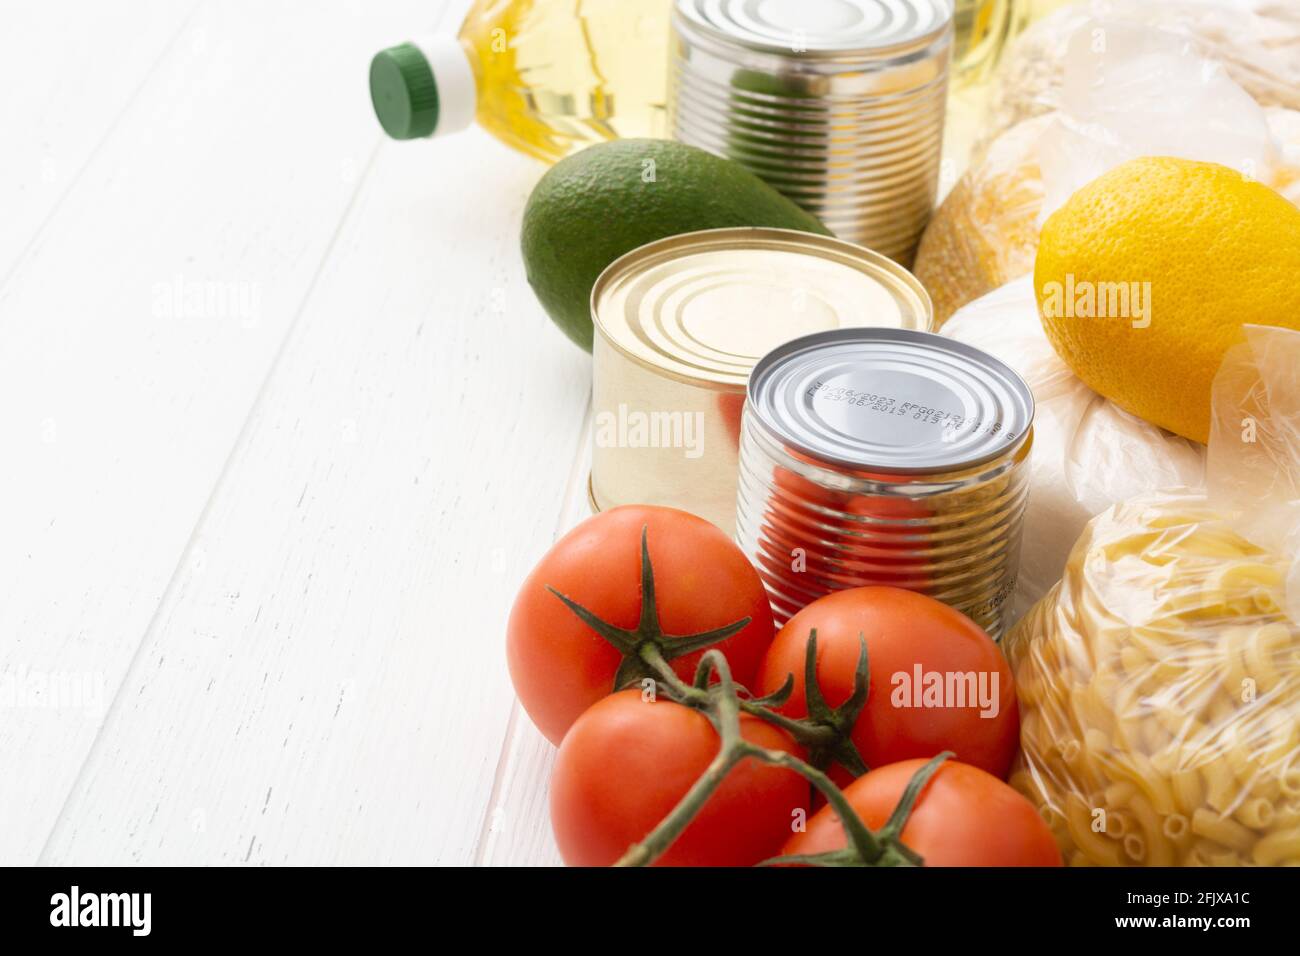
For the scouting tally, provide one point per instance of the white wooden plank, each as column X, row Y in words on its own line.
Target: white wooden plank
column 328, row 684
column 517, row 831
column 136, row 334
column 68, row 72
column 517, row 828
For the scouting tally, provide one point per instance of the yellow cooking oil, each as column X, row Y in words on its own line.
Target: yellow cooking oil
column 1024, row 13
column 982, row 30
column 546, row 77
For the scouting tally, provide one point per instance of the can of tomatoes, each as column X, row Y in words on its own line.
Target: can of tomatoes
column 885, row 457
column 838, row 104
column 679, row 325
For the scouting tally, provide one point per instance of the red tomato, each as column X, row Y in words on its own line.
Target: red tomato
column 731, row 408
column 626, row 763
column 904, row 630
column 842, row 539
column 963, row 817
column 703, row 581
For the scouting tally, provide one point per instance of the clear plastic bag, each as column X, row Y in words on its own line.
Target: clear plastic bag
column 1142, row 92
column 985, row 232
column 1132, row 90
column 1257, row 41
column 1159, row 680
column 1088, row 452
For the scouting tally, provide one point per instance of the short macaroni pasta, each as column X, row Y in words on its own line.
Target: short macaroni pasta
column 1160, row 695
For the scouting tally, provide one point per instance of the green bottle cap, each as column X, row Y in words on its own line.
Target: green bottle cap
column 404, row 92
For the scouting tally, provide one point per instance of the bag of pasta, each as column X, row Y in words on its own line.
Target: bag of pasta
column 1159, row 680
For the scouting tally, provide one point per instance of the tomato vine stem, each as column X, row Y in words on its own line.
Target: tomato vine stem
column 723, row 709
column 825, row 733
column 648, row 652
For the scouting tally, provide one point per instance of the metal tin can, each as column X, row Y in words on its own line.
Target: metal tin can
column 838, row 104
column 679, row 325
column 885, row 456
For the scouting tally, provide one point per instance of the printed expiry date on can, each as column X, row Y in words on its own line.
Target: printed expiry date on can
column 891, row 405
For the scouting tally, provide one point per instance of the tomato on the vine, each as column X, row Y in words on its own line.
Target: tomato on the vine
column 912, row 642
column 560, row 665
column 626, row 763
column 963, row 817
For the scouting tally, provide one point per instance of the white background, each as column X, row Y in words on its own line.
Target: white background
column 283, row 429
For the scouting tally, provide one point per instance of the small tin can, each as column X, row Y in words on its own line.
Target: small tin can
column 679, row 325
column 885, row 456
column 838, row 104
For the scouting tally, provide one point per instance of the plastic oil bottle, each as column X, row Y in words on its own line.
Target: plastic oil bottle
column 547, row 77
column 981, row 29
column 985, row 28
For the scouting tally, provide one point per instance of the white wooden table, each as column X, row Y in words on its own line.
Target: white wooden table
column 283, row 430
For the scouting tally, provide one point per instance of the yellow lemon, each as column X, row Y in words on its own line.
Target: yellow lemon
column 1146, row 275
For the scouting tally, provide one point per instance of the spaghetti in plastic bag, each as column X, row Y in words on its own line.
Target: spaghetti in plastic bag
column 1159, row 680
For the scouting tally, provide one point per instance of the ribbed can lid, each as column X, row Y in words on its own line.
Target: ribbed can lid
column 812, row 27
column 890, row 400
column 703, row 307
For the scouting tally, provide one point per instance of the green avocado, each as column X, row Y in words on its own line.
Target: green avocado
column 614, row 197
